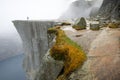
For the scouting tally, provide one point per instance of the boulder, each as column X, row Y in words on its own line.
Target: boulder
column 113, row 25
column 80, row 24
column 94, row 26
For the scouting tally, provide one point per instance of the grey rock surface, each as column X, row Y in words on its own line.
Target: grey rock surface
column 103, row 51
column 50, row 68
column 35, row 43
column 110, row 9
column 94, row 26
column 80, row 24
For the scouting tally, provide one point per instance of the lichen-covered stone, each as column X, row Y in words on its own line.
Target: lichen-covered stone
column 113, row 25
column 67, row 51
column 80, row 24
column 94, row 26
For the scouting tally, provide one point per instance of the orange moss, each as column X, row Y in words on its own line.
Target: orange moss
column 68, row 51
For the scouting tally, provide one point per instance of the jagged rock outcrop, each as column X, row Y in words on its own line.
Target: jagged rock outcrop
column 80, row 24
column 110, row 9
column 37, row 64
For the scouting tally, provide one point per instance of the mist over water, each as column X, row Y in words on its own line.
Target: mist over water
column 20, row 10
column 11, row 69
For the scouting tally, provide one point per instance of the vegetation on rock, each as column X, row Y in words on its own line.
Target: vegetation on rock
column 113, row 25
column 67, row 51
column 80, row 24
column 94, row 27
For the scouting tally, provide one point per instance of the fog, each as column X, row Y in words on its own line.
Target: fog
column 81, row 8
column 34, row 9
column 10, row 42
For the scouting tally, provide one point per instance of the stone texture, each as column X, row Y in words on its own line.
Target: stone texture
column 94, row 26
column 113, row 25
column 50, row 68
column 35, row 42
column 110, row 9
column 103, row 56
column 80, row 24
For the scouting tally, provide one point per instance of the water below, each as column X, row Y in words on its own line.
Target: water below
column 11, row 68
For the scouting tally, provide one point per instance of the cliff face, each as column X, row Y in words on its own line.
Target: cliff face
column 102, row 48
column 110, row 9
column 37, row 65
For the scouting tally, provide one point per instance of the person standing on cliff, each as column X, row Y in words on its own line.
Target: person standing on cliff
column 27, row 18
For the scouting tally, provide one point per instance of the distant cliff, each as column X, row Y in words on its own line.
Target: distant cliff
column 80, row 8
column 75, row 9
column 110, row 9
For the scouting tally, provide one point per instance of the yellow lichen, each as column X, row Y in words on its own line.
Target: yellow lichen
column 68, row 51
column 113, row 25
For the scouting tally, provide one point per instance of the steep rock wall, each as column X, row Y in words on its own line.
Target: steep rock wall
column 35, row 43
column 110, row 9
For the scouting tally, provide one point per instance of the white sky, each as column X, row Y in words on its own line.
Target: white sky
column 34, row 9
